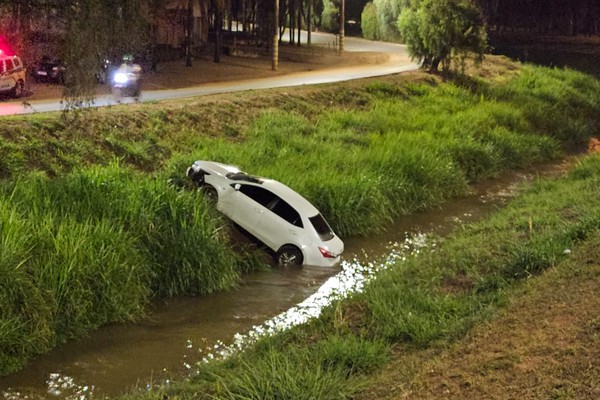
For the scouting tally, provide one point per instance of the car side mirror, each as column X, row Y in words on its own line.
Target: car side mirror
column 237, row 186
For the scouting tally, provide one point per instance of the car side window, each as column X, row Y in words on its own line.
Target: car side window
column 288, row 213
column 9, row 65
column 258, row 194
column 273, row 202
column 2, row 69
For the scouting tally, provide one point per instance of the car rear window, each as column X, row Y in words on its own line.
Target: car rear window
column 322, row 227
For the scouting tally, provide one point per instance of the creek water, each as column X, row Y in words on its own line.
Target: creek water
column 180, row 331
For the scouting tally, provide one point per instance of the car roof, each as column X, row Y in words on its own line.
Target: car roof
column 292, row 197
column 6, row 57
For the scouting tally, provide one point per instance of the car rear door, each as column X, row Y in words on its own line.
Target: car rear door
column 281, row 224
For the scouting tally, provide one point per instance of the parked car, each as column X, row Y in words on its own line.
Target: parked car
column 49, row 70
column 275, row 214
column 12, row 75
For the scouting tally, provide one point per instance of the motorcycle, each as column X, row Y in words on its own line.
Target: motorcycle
column 126, row 83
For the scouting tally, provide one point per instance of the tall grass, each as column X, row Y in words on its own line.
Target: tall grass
column 319, row 370
column 93, row 247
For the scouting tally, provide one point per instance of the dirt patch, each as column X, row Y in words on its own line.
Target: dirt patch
column 594, row 145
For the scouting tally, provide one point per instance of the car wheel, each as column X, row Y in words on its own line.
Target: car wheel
column 210, row 193
column 18, row 90
column 289, row 255
column 197, row 178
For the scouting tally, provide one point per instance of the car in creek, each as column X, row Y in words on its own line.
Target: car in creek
column 273, row 213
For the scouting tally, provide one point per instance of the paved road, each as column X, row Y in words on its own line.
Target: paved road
column 398, row 62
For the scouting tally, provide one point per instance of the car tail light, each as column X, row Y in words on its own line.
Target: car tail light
column 326, row 253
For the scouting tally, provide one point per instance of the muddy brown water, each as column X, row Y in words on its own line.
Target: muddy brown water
column 179, row 331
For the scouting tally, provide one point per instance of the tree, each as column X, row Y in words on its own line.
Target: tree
column 368, row 22
column 387, row 16
column 330, row 18
column 442, row 31
column 96, row 30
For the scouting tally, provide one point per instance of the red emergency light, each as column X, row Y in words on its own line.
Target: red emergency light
column 5, row 48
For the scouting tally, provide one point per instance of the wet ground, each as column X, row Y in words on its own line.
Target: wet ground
column 182, row 331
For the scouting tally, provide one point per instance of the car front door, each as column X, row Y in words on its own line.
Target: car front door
column 6, row 83
column 247, row 205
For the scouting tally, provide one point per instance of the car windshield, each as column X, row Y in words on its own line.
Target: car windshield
column 322, row 227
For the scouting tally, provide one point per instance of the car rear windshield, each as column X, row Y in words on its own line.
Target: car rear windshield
column 322, row 227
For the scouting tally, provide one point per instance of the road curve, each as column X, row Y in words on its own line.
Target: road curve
column 398, row 61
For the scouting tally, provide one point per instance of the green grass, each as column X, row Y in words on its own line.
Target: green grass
column 94, row 229
column 93, row 247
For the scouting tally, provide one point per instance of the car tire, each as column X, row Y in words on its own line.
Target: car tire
column 289, row 255
column 18, row 90
column 210, row 193
column 197, row 177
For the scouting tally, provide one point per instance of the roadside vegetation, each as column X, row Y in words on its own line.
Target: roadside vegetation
column 96, row 219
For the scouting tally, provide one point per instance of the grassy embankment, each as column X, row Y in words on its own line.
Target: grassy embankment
column 421, row 306
column 93, row 244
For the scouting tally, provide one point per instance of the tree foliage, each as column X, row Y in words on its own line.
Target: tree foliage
column 442, row 31
column 330, row 17
column 387, row 17
column 98, row 30
column 369, row 25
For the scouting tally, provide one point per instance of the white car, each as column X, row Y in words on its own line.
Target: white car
column 12, row 75
column 276, row 215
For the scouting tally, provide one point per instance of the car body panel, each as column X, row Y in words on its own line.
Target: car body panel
column 269, row 210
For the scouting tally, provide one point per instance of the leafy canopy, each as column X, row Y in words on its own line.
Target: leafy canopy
column 442, row 31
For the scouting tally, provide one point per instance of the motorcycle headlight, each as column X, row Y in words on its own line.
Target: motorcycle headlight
column 120, row 77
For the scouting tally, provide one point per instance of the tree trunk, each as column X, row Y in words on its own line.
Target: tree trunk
column 188, row 36
column 299, row 23
column 342, row 24
column 309, row 22
column 275, row 58
column 218, row 30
